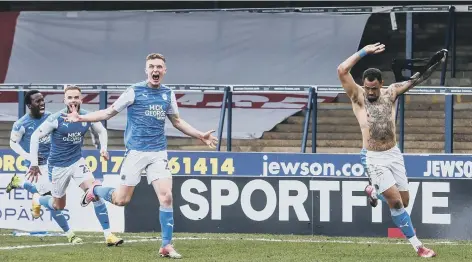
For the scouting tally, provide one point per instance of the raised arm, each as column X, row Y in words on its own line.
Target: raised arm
column 344, row 74
column 16, row 135
column 418, row 78
column 99, row 115
column 125, row 99
column 345, row 67
column 402, row 87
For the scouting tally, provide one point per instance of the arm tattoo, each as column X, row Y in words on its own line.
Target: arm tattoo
column 417, row 78
column 396, row 86
column 401, row 84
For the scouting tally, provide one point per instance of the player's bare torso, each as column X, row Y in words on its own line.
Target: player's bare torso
column 376, row 120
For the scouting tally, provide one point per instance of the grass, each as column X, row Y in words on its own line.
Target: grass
column 225, row 247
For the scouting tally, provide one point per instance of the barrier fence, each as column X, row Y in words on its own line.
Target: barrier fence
column 227, row 104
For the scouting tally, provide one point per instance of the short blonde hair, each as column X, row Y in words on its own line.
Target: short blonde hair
column 155, row 56
column 72, row 87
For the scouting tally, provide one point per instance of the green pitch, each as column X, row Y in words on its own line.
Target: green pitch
column 225, row 247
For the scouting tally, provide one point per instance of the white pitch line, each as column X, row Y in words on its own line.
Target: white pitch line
column 70, row 244
column 449, row 243
column 82, row 236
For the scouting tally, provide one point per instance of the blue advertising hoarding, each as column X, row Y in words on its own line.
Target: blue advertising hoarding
column 238, row 164
column 279, row 193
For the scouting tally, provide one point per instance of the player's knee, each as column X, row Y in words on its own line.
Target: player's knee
column 59, row 205
column 397, row 204
column 166, row 199
column 405, row 202
column 122, row 201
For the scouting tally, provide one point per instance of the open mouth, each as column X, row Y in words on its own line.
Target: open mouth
column 155, row 77
column 73, row 105
column 372, row 98
column 42, row 108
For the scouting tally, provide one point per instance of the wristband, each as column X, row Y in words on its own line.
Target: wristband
column 362, row 53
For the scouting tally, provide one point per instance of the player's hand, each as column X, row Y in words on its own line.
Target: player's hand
column 104, row 154
column 33, row 174
column 433, row 63
column 439, row 56
column 376, row 48
column 209, row 139
column 73, row 116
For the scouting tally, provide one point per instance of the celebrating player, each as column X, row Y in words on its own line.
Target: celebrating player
column 374, row 108
column 147, row 104
column 20, row 143
column 65, row 160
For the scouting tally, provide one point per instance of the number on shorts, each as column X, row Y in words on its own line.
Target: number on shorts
column 167, row 164
column 85, row 168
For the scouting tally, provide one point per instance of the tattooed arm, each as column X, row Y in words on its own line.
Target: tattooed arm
column 344, row 74
column 397, row 89
column 402, row 87
column 418, row 78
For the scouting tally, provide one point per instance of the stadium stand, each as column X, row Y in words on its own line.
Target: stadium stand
column 338, row 131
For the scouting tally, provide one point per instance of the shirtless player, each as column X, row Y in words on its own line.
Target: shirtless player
column 375, row 109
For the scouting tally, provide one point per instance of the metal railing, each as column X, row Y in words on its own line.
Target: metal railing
column 227, row 104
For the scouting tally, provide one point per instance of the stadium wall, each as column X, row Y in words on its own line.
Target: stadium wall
column 273, row 193
column 205, row 48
